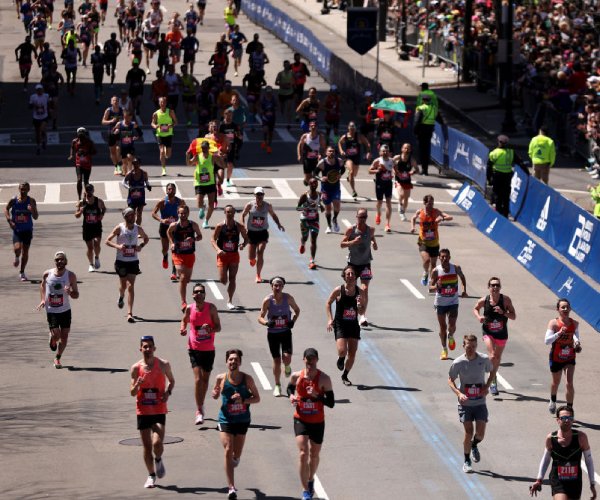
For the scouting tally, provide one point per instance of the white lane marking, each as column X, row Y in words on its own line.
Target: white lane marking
column 231, row 193
column 262, row 378
column 319, row 490
column 345, row 194
column 149, row 135
column 454, row 185
column 574, row 191
column 284, row 188
column 452, row 192
column 96, row 136
column 113, row 191
column 52, row 138
column 214, row 289
column 596, row 477
column 52, row 193
column 346, row 223
column 504, row 383
column 284, row 134
column 412, row 289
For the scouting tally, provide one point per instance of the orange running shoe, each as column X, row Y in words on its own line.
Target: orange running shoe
column 378, row 219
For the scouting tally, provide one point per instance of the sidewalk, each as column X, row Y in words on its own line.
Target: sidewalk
column 482, row 111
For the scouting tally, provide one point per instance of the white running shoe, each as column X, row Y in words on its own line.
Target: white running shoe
column 91, row 269
column 277, row 390
column 328, row 230
column 199, row 418
column 22, row 277
column 230, row 306
column 150, row 482
column 552, row 407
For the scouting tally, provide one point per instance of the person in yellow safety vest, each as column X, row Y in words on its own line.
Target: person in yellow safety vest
column 425, row 90
column 163, row 121
column 500, row 172
column 595, row 194
column 205, row 175
column 425, row 117
column 542, row 152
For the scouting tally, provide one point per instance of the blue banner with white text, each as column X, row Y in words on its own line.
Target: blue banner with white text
column 438, row 143
column 467, row 156
column 558, row 277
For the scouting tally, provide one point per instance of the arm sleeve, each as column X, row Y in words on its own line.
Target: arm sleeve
column 291, row 389
column 544, row 463
column 551, row 336
column 576, row 335
column 589, row 463
column 328, row 399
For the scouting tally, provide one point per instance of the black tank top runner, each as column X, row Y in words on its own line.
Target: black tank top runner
column 346, row 312
column 91, row 214
column 494, row 324
column 180, row 235
column 566, row 462
column 229, row 238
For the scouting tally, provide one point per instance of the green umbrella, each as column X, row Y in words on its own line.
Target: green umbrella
column 393, row 104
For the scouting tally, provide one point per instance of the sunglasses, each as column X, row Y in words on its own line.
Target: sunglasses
column 495, row 285
column 199, row 291
column 566, row 418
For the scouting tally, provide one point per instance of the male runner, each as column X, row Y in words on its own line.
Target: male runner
column 163, row 122
column 309, row 205
column 168, row 214
column 92, row 209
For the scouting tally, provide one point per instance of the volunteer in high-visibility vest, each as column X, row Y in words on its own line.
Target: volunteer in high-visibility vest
column 542, row 152
column 163, row 121
column 500, row 172
column 425, row 118
column 425, row 90
column 595, row 194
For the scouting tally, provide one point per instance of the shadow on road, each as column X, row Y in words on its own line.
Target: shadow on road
column 99, row 369
column 362, row 387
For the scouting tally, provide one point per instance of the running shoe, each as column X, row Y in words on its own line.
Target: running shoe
column 269, row 150
column 552, row 407
column 205, row 224
column 287, row 370
column 163, row 174
column 345, row 380
column 230, row 306
column 475, row 455
column 493, row 392
column 130, row 318
column 173, row 277
column 22, row 277
column 183, row 306
column 91, row 268
column 199, row 418
column 306, row 495
column 228, row 183
column 328, row 230
column 258, row 278
column 52, row 344
column 160, row 468
column 336, row 228
column 165, row 262
column 340, row 363
column 219, row 190
column 378, row 219
column 403, row 217
column 57, row 364
column 354, row 194
column 444, row 354
column 451, row 342
column 252, row 262
column 388, row 229
column 97, row 262
column 302, row 248
column 424, row 279
column 277, row 390
column 312, row 265
column 363, row 321
column 201, row 213
column 232, row 493
column 467, row 467
column 150, row 482
column 16, row 262
column 120, row 303
column 311, row 486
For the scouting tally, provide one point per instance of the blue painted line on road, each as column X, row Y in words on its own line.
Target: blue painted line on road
column 450, row 454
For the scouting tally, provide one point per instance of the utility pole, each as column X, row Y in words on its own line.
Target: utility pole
column 508, row 125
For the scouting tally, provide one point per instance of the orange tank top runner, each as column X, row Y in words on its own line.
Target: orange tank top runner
column 149, row 400
column 428, row 228
column 308, row 410
column 563, row 350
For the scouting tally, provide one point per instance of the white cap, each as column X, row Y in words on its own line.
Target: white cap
column 60, row 253
column 39, row 86
column 259, row 190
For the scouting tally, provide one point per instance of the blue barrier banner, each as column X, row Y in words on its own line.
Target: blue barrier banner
column 437, row 144
column 291, row 32
column 563, row 225
column 467, row 156
column 558, row 277
column 518, row 190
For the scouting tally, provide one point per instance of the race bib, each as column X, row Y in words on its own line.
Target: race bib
column 55, row 300
column 473, row 391
column 236, row 408
column 202, row 335
column 311, row 155
column 449, row 291
column 185, row 245
column 91, row 218
column 386, row 176
column 281, row 322
column 429, row 235
column 258, row 221
column 333, row 176
column 567, row 472
column 136, row 193
column 126, row 140
column 164, row 128
column 307, row 407
column 229, row 246
column 349, row 314
column 312, row 214
column 386, row 135
column 22, row 218
column 149, row 396
column 129, row 251
column 404, row 176
column 566, row 353
column 366, row 274
column 351, row 151
column 85, row 161
column 204, row 177
column 494, row 325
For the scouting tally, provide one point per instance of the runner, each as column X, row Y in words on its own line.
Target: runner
column 167, row 207
column 205, row 322
column 470, row 368
column 98, row 63
column 183, row 235
column 40, row 104
column 309, row 205
column 383, row 168
column 82, row 148
column 359, row 239
column 201, row 8
column 429, row 240
column 300, row 72
column 404, row 167
column 310, row 390
column 136, row 182
column 308, row 110
column 226, row 242
column 333, row 113
column 276, row 315
column 385, row 131
column 127, row 264
column 562, row 335
column 112, row 49
column 20, row 211
column 149, row 387
column 237, row 390
column 331, row 168
column 285, row 93
column 220, row 146
column 150, row 32
column 58, row 285
column 135, row 78
column 189, row 89
column 93, row 209
column 349, row 148
column 258, row 212
column 163, row 122
column 268, row 114
column 310, row 148
column 70, row 55
column 232, row 132
column 113, row 115
column 205, row 175
column 126, row 132
column 444, row 282
column 565, row 447
column 237, row 39
column 349, row 307
column 497, row 310
column 23, row 56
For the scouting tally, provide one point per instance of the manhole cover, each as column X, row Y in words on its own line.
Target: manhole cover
column 138, row 442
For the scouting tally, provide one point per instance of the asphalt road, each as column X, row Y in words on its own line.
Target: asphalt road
column 393, row 434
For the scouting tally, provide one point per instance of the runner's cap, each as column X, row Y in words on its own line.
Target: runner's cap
column 127, row 211
column 259, row 190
